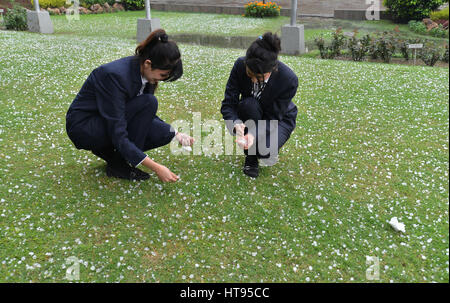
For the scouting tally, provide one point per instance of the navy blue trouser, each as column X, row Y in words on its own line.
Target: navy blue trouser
column 145, row 129
column 250, row 109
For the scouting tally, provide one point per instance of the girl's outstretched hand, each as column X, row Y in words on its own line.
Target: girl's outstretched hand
column 165, row 175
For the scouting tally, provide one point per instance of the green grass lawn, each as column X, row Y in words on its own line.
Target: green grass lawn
column 371, row 143
column 123, row 25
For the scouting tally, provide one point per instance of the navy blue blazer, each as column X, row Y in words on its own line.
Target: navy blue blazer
column 106, row 93
column 276, row 99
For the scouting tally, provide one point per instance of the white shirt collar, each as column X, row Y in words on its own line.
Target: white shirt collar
column 144, row 80
column 265, row 81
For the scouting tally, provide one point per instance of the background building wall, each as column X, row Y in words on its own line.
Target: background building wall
column 313, row 7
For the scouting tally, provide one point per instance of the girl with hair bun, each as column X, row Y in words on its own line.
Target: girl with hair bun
column 258, row 105
column 114, row 114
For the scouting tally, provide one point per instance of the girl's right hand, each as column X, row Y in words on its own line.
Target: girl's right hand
column 184, row 140
column 240, row 128
column 165, row 175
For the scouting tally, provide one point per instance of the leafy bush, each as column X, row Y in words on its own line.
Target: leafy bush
column 439, row 32
column 380, row 45
column 445, row 55
column 330, row 52
column 430, row 54
column 89, row 3
column 359, row 48
column 325, row 52
column 50, row 3
column 260, row 10
column 16, row 18
column 373, row 50
column 405, row 10
column 418, row 27
column 440, row 15
column 385, row 46
column 403, row 47
column 133, row 5
column 338, row 42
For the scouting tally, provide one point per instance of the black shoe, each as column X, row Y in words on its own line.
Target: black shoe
column 141, row 173
column 126, row 172
column 251, row 167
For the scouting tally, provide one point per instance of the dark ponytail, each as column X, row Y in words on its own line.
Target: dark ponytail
column 262, row 55
column 163, row 53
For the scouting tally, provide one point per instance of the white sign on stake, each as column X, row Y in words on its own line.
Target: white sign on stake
column 349, row 34
column 415, row 47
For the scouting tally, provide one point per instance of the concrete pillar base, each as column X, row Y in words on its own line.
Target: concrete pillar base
column 293, row 39
column 39, row 22
column 145, row 27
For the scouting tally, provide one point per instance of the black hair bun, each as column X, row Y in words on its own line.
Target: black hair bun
column 262, row 55
column 271, row 42
column 164, row 38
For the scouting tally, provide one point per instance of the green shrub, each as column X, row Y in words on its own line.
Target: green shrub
column 430, row 54
column 133, row 5
column 260, row 10
column 439, row 32
column 440, row 15
column 16, row 18
column 50, row 3
column 418, row 27
column 338, row 42
column 403, row 46
column 445, row 55
column 405, row 10
column 325, row 52
column 385, row 46
column 404, row 49
column 330, row 52
column 359, row 48
column 89, row 3
column 373, row 50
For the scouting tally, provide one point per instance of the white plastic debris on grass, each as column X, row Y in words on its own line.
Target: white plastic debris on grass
column 398, row 226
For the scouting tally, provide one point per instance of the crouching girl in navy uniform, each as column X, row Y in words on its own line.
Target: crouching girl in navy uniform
column 114, row 114
column 259, row 90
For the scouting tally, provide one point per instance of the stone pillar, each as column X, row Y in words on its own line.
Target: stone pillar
column 146, row 26
column 293, row 35
column 293, row 39
column 39, row 22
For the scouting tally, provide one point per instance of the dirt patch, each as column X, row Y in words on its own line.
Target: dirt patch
column 155, row 257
